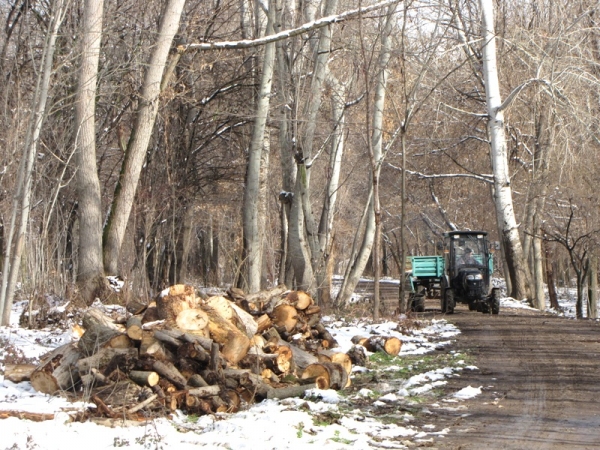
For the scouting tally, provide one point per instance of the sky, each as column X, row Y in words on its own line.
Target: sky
column 271, row 424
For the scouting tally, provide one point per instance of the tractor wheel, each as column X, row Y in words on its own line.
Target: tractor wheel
column 495, row 301
column 448, row 301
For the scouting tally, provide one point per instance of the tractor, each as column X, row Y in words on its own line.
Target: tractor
column 461, row 275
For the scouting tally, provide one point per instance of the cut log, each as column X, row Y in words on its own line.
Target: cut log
column 207, row 391
column 153, row 347
column 264, row 323
column 358, row 355
column 291, row 391
column 196, row 380
column 326, row 336
column 327, row 375
column 135, row 308
column 175, row 299
column 167, row 338
column 222, row 307
column 386, row 344
column 94, row 339
column 144, row 377
column 336, row 357
column 192, row 320
column 299, row 300
column 285, row 317
column 18, row 372
column 339, row 358
column 193, row 351
column 266, row 296
column 280, row 362
column 250, row 381
column 57, row 371
column 312, row 310
column 134, row 328
column 150, row 315
column 94, row 317
column 102, row 359
column 302, row 359
column 235, row 343
column 100, row 331
column 205, row 342
column 170, row 372
column 245, row 321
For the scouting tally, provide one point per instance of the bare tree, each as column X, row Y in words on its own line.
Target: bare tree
column 140, row 137
column 253, row 213
column 507, row 224
column 15, row 242
column 90, row 269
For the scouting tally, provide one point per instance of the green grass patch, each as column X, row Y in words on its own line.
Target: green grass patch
column 406, row 366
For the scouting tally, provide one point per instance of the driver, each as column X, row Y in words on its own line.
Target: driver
column 467, row 258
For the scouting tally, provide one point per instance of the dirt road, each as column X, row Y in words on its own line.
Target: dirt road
column 540, row 379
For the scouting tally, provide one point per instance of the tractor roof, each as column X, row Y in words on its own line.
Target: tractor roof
column 464, row 233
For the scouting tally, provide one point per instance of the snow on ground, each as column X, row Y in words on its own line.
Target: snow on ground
column 271, row 424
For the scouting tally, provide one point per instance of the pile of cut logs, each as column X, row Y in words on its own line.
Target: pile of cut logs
column 200, row 354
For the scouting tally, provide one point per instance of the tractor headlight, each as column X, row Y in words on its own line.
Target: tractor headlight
column 475, row 276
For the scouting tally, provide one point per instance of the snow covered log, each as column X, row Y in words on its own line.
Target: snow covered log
column 18, row 372
column 386, row 344
column 57, row 371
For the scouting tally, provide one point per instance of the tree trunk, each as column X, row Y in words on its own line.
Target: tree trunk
column 253, row 213
column 502, row 189
column 593, row 288
column 550, row 281
column 140, row 137
column 90, row 268
column 22, row 196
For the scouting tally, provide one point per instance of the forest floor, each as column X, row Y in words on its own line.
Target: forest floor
column 539, row 376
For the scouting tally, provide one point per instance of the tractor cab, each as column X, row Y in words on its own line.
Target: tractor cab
column 469, row 266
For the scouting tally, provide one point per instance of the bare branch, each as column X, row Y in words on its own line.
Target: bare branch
column 483, row 177
column 305, row 28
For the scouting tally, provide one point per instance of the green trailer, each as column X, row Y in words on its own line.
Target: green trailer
column 462, row 275
column 423, row 279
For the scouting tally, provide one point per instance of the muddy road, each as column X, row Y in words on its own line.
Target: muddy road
column 540, row 380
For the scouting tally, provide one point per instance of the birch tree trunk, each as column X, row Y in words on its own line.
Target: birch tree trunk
column 505, row 213
column 308, row 261
column 22, row 198
column 373, row 222
column 140, row 137
column 333, row 182
column 253, row 213
column 90, row 269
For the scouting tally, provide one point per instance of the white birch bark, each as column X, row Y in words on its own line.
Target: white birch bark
column 507, row 223
column 140, row 137
column 253, row 213
column 22, row 198
column 314, row 254
column 90, row 265
column 372, row 229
